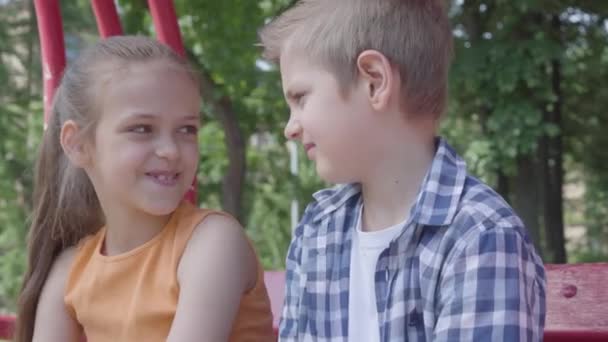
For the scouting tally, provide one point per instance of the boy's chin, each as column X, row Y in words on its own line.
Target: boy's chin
column 334, row 175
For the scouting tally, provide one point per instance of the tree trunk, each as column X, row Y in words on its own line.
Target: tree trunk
column 552, row 167
column 502, row 185
column 526, row 201
column 232, row 184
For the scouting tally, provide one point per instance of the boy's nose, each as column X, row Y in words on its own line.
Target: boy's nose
column 293, row 129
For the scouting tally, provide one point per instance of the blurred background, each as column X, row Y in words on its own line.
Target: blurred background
column 527, row 110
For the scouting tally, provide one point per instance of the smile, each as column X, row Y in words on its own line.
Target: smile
column 164, row 178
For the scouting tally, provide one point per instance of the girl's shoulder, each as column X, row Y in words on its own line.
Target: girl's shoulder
column 220, row 239
column 64, row 261
column 58, row 276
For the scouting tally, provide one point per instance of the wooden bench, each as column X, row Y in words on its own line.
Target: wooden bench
column 6, row 327
column 577, row 302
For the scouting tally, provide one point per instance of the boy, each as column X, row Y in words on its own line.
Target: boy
column 411, row 248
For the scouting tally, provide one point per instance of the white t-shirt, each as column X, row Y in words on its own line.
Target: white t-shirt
column 363, row 325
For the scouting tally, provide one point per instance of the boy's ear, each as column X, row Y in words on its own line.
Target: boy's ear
column 376, row 72
column 72, row 144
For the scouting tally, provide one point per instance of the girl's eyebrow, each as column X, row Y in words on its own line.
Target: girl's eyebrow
column 144, row 115
column 141, row 115
column 192, row 117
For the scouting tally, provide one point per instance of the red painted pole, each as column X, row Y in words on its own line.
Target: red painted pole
column 167, row 31
column 107, row 19
column 7, row 327
column 165, row 23
column 52, row 49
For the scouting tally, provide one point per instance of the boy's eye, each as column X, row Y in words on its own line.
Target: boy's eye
column 297, row 98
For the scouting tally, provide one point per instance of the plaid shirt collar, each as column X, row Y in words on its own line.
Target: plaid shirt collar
column 437, row 200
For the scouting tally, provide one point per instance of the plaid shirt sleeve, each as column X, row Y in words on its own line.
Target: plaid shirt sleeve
column 492, row 289
column 288, row 325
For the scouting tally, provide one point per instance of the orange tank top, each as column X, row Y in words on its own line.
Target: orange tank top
column 133, row 296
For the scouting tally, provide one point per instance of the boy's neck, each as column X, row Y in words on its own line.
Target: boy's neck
column 391, row 188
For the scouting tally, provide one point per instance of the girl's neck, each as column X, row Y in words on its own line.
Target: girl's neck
column 127, row 229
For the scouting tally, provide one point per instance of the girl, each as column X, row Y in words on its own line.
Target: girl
column 115, row 254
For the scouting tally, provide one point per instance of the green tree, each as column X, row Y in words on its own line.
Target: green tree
column 514, row 87
column 19, row 75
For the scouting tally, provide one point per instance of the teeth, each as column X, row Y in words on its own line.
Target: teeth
column 165, row 177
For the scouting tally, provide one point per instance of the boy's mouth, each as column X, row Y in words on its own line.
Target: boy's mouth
column 308, row 146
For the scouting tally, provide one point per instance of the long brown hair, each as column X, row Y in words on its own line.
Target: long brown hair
column 66, row 207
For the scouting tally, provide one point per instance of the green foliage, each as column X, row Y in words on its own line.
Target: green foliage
column 21, row 128
column 500, row 78
column 17, row 142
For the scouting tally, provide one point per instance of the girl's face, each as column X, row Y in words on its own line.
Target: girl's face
column 145, row 152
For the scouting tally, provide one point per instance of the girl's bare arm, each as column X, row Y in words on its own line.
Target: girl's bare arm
column 217, row 267
column 53, row 322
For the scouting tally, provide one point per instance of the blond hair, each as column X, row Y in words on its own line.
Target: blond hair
column 66, row 207
column 414, row 35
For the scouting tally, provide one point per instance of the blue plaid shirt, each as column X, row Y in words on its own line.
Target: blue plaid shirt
column 462, row 269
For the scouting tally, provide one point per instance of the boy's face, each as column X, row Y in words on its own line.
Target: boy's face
column 336, row 130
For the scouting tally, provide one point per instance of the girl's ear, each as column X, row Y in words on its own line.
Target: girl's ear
column 72, row 144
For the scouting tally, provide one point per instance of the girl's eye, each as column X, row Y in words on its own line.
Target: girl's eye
column 141, row 129
column 190, row 129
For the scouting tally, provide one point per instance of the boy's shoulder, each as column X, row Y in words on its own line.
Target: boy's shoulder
column 482, row 208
